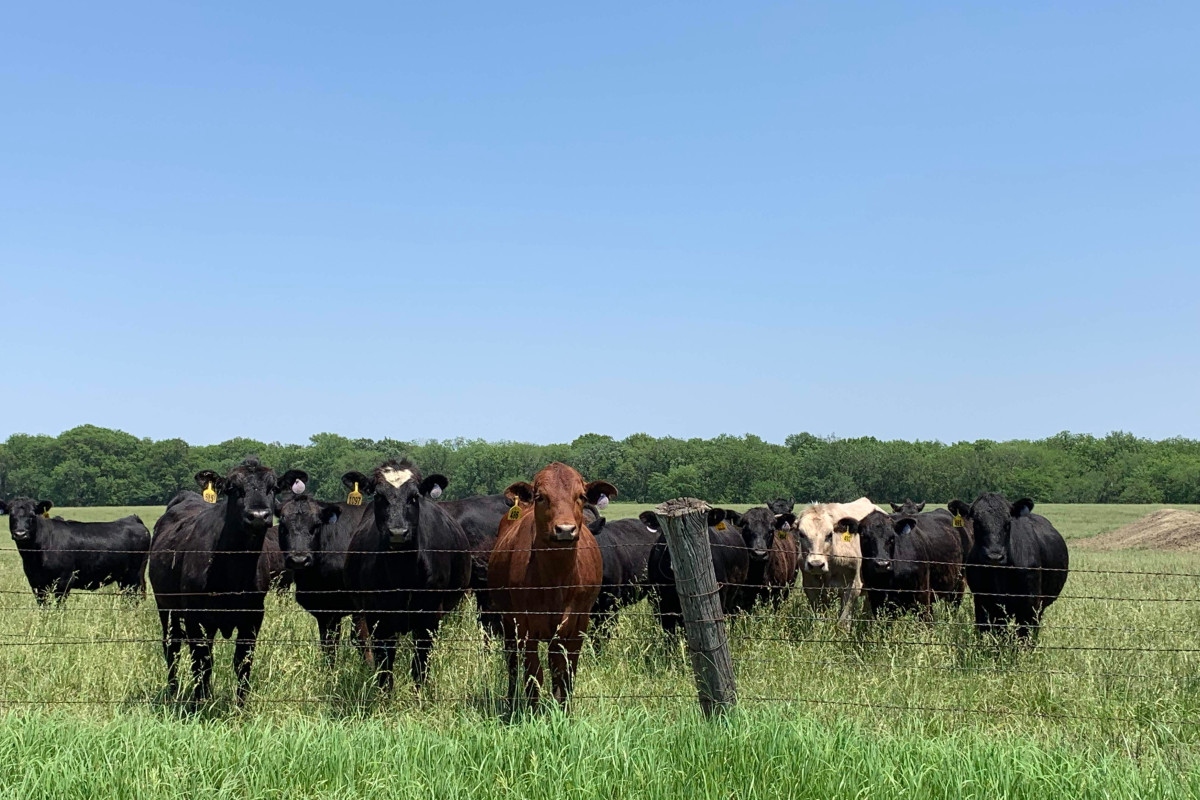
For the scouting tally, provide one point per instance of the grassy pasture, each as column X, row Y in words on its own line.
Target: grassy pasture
column 1100, row 709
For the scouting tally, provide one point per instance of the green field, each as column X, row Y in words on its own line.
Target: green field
column 1107, row 706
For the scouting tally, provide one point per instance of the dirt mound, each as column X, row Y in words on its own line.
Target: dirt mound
column 1168, row 529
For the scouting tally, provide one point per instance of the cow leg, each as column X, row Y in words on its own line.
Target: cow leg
column 200, row 643
column 243, row 659
column 361, row 635
column 172, row 644
column 532, row 673
column 849, row 595
column 329, row 629
column 422, row 647
column 385, row 659
column 564, row 658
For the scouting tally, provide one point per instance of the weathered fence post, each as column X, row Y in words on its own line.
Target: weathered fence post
column 684, row 521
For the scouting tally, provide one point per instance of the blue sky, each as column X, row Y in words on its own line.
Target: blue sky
column 907, row 220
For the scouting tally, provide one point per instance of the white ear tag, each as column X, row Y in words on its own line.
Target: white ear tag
column 435, row 492
column 602, row 502
column 298, row 487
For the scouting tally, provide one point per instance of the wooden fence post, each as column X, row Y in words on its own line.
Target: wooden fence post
column 684, row 521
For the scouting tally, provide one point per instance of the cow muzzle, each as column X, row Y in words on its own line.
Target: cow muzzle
column 758, row 555
column 21, row 536
column 298, row 560
column 996, row 558
column 399, row 536
column 565, row 533
column 882, row 565
column 816, row 565
column 257, row 517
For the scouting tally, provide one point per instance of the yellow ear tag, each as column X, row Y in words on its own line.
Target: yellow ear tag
column 720, row 526
column 209, row 494
column 514, row 512
column 958, row 521
column 847, row 536
column 355, row 496
column 781, row 533
column 45, row 515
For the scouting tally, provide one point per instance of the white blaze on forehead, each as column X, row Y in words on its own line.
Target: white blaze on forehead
column 396, row 477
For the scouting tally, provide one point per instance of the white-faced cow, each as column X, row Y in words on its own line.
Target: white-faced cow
column 204, row 560
column 407, row 569
column 830, row 555
column 60, row 555
column 1017, row 567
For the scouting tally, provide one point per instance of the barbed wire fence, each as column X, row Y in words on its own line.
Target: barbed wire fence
column 1132, row 653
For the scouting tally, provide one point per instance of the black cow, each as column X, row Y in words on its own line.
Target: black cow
column 59, row 555
column 908, row 562
column 774, row 555
column 731, row 563
column 204, row 569
column 480, row 518
column 625, row 546
column 1017, row 566
column 908, row 508
column 318, row 537
column 410, row 568
column 781, row 505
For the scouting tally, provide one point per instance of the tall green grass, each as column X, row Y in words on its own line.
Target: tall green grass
column 1107, row 705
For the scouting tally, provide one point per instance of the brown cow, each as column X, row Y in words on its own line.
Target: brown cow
column 544, row 575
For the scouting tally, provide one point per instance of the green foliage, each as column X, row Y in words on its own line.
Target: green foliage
column 97, row 466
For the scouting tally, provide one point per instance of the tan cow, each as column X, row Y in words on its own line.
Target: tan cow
column 829, row 559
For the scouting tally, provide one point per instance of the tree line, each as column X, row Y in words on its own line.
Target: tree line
column 91, row 466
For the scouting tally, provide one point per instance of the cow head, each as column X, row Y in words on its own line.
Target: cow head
column 759, row 526
column 592, row 519
column 992, row 516
column 781, row 505
column 249, row 491
column 23, row 516
column 877, row 536
column 908, row 508
column 814, row 534
column 300, row 520
column 397, row 490
column 558, row 494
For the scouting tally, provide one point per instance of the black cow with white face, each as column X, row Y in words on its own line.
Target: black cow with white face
column 204, row 561
column 410, row 567
column 60, row 555
column 1017, row 565
column 908, row 562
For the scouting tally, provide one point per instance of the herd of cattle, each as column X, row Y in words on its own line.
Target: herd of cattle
column 540, row 559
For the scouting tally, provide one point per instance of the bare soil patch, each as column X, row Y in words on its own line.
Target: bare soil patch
column 1166, row 529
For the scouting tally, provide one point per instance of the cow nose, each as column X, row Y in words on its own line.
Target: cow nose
column 258, row 514
column 565, row 531
column 813, row 565
column 883, row 563
column 299, row 560
column 760, row 555
column 995, row 558
column 20, row 536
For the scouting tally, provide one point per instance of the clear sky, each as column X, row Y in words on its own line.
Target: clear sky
column 520, row 221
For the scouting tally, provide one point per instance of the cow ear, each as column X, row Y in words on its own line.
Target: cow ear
column 596, row 488
column 329, row 513
column 650, row 520
column 595, row 523
column 921, row 506
column 895, row 507
column 1022, row 507
column 519, row 492
column 903, row 525
column 433, row 486
column 206, row 476
column 959, row 508
column 785, row 522
column 293, row 481
column 3, row 508
column 846, row 525
column 365, row 485
column 42, row 507
column 716, row 516
column 733, row 518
